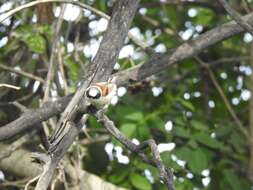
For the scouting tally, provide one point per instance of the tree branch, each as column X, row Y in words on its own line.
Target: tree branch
column 165, row 174
column 26, row 169
column 186, row 50
column 236, row 16
column 100, row 70
column 200, row 3
column 22, row 73
column 134, row 74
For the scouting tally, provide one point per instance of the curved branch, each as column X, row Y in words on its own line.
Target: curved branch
column 165, row 173
column 33, row 3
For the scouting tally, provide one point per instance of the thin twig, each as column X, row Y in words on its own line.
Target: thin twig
column 165, row 173
column 51, row 68
column 61, row 68
column 33, row 3
column 81, row 5
column 236, row 17
column 165, row 177
column 23, row 73
column 10, row 86
column 224, row 97
column 21, row 107
column 216, row 84
column 31, row 181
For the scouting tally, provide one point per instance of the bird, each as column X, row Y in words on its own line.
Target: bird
column 100, row 94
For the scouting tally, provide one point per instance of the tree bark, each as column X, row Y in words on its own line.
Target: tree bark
column 250, row 170
column 25, row 168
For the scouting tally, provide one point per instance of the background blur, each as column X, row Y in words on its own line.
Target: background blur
column 198, row 111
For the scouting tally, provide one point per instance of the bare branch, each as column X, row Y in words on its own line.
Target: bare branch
column 51, row 67
column 100, row 70
column 188, row 49
column 134, row 74
column 236, row 16
column 166, row 174
column 22, row 73
column 33, row 3
column 29, row 119
column 9, row 86
column 199, row 3
column 26, row 169
column 224, row 98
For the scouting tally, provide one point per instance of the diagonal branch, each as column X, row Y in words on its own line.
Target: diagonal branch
column 22, row 73
column 134, row 74
column 224, row 97
column 165, row 173
column 237, row 17
column 33, row 3
column 100, row 70
column 186, row 50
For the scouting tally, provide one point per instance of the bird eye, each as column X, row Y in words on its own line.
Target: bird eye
column 93, row 92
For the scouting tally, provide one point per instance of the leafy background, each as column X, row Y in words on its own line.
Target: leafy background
column 180, row 107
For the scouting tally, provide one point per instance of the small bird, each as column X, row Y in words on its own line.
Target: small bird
column 100, row 94
column 97, row 94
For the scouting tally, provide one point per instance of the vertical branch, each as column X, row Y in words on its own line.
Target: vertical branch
column 69, row 124
column 250, row 170
column 51, row 69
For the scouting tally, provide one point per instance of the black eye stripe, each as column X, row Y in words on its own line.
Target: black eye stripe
column 96, row 96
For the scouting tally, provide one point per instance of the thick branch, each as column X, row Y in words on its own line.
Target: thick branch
column 186, row 50
column 100, row 70
column 26, row 168
column 29, row 119
column 136, row 73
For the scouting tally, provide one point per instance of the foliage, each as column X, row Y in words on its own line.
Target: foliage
column 208, row 144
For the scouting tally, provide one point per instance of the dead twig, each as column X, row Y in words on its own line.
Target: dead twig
column 22, row 73
column 10, row 86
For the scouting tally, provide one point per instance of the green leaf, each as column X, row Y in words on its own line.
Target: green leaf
column 73, row 70
column 136, row 116
column 36, row 43
column 232, row 179
column 119, row 175
column 24, row 31
column 198, row 125
column 204, row 16
column 187, row 105
column 183, row 153
column 198, row 161
column 128, row 129
column 205, row 139
column 238, row 142
column 181, row 132
column 224, row 130
column 140, row 182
